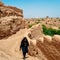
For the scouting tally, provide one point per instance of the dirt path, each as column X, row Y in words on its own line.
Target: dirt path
column 9, row 47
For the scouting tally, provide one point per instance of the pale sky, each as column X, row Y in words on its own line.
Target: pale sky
column 36, row 8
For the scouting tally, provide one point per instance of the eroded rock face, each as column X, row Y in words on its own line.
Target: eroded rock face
column 56, row 38
column 10, row 11
column 33, row 51
column 45, row 48
column 36, row 32
column 50, row 49
column 11, row 20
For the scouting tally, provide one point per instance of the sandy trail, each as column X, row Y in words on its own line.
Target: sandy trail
column 9, row 47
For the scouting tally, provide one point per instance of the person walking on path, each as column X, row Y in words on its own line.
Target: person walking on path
column 24, row 46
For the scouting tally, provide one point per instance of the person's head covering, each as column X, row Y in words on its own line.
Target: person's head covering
column 24, row 39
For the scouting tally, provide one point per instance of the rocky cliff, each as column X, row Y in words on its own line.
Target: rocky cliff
column 11, row 20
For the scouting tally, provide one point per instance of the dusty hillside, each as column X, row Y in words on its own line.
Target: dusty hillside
column 44, row 48
column 11, row 20
column 10, row 11
column 49, row 22
column 11, row 33
column 13, row 29
column 9, row 47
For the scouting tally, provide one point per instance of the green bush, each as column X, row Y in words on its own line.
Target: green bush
column 58, row 32
column 50, row 31
column 30, row 25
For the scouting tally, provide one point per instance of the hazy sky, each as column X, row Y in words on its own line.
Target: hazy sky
column 37, row 8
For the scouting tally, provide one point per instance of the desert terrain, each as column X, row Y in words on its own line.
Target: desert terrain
column 14, row 27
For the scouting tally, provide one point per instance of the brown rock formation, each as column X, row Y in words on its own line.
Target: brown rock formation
column 10, row 11
column 46, row 47
column 1, row 4
column 11, row 20
column 33, row 51
column 49, row 49
column 36, row 32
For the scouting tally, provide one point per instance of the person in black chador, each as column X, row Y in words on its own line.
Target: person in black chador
column 24, row 46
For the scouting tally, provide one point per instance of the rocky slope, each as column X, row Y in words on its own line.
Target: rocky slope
column 45, row 47
column 11, row 20
column 9, row 47
column 49, row 22
column 41, row 47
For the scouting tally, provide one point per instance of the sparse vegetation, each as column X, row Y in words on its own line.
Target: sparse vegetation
column 50, row 31
column 30, row 25
column 59, row 27
column 59, row 19
column 42, row 19
column 37, row 22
